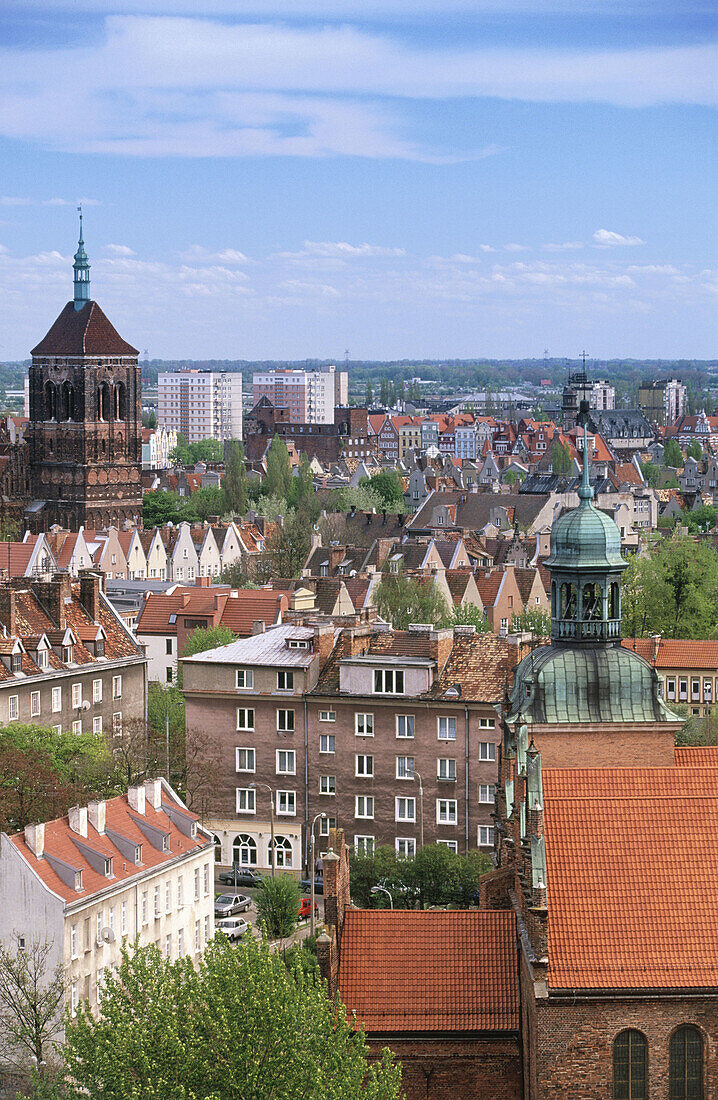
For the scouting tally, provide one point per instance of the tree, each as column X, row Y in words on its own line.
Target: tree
column 236, row 1024
column 207, row 501
column 384, row 392
column 651, row 474
column 302, row 485
column 206, row 450
column 288, row 544
column 533, row 620
column 673, row 591
column 279, row 471
column 561, row 463
column 201, row 639
column 402, row 600
column 387, row 487
column 672, row 455
column 695, row 451
column 31, row 1000
column 160, row 507
column 234, row 482
column 369, row 394
column 236, row 575
column 468, row 614
column 434, row 876
column 278, row 905
column 181, row 454
column 701, row 519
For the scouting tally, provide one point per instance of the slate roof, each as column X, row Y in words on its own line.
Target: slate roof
column 422, row 970
column 474, row 510
column 85, row 331
column 676, row 652
column 632, row 877
column 268, row 649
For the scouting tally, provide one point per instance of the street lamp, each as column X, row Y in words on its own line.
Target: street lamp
column 273, row 854
column 311, row 872
column 421, row 808
column 170, row 706
column 383, row 890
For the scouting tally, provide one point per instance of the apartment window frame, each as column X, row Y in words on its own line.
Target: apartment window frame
column 404, row 770
column 405, row 847
column 365, row 769
column 117, row 687
column 405, row 724
column 56, row 700
column 364, row 807
column 446, row 764
column 487, row 752
column 405, row 809
column 447, row 811
column 244, row 679
column 285, row 804
column 246, row 719
column 363, row 724
column 446, row 727
column 285, row 679
column 290, row 756
column 97, row 691
column 327, row 716
column 487, row 794
column 325, row 739
column 13, row 708
column 364, row 844
column 285, row 720
column 76, row 696
column 388, row 681
column 238, row 760
column 35, row 709
column 248, row 795
column 328, row 785
column 485, row 836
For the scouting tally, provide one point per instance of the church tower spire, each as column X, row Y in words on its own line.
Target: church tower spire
column 81, row 269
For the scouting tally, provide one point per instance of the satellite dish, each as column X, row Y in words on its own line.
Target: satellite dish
column 107, row 935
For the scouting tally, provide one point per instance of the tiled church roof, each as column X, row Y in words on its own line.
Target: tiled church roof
column 83, row 331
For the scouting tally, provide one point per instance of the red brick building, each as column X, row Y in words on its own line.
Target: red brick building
column 347, row 437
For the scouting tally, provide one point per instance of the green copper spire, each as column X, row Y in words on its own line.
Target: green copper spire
column 585, row 491
column 81, row 268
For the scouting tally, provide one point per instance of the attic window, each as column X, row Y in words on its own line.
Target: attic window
column 108, row 868
column 193, row 830
column 78, row 880
column 294, row 643
column 165, row 843
column 138, row 853
column 16, row 662
column 172, row 620
column 67, row 654
column 42, row 658
column 100, row 647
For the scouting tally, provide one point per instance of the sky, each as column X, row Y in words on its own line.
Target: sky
column 291, row 179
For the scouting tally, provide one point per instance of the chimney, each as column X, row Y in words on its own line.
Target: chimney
column 8, row 608
column 656, row 639
column 153, row 792
column 77, row 816
column 323, row 643
column 35, row 839
column 90, row 593
column 96, row 814
column 203, row 582
column 136, row 798
column 53, row 595
column 258, row 626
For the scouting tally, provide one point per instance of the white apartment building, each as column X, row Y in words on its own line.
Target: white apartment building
column 310, row 395
column 201, row 404
column 136, row 866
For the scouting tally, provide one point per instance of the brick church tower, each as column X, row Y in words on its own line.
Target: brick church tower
column 84, row 436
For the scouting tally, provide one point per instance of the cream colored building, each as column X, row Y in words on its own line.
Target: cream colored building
column 136, row 866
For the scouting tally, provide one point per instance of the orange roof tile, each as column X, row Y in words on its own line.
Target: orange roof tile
column 424, row 970
column 687, row 653
column 693, row 756
column 632, row 877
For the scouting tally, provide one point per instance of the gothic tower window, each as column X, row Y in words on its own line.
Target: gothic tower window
column 50, row 401
column 119, row 402
column 68, row 401
column 103, row 401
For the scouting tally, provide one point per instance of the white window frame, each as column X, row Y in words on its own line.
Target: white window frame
column 97, row 724
column 248, row 717
column 365, row 769
column 13, row 708
column 288, row 753
column 448, row 761
column 285, row 679
column 248, row 795
column 405, row 846
column 97, row 691
column 444, row 810
column 246, row 676
column 284, row 718
column 247, row 749
column 487, row 793
column 56, row 700
column 449, row 721
column 363, row 724
column 116, row 687
column 327, row 738
column 487, row 751
column 327, row 716
column 35, row 704
column 362, row 804
column 404, row 809
column 286, row 804
column 485, row 836
column 388, row 681
column 452, row 845
column 364, row 845
column 328, row 785
column 408, row 773
column 76, row 696
column 405, row 719
column 487, row 724
column 325, row 824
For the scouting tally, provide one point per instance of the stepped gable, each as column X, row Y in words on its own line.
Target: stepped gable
column 86, row 331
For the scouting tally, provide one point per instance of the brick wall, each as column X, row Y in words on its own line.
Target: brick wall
column 446, row 1068
column 631, row 746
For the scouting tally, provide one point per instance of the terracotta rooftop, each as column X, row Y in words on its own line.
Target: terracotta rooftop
column 632, row 877
column 693, row 756
column 676, row 652
column 83, row 331
column 423, row 970
column 234, row 608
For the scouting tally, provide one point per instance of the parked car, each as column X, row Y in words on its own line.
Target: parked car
column 305, row 909
column 232, row 927
column 226, row 905
column 306, row 884
column 244, row 877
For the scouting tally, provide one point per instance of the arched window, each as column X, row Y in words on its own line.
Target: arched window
column 282, row 852
column 570, row 611
column 50, row 401
column 119, row 401
column 104, row 407
column 615, row 601
column 217, row 849
column 591, row 600
column 630, row 1058
column 686, row 1064
column 244, row 850
column 68, row 401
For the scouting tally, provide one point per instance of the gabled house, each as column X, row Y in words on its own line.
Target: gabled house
column 107, row 553
column 70, row 550
column 155, row 554
column 208, row 555
column 134, row 551
column 182, row 560
column 33, row 557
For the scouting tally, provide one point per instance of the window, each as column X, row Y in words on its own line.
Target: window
column 246, row 803
column 246, row 760
column 486, row 836
column 42, row 658
column 447, row 729
column 34, row 704
column 73, row 942
column 117, row 723
column 707, row 689
column 180, row 943
column 145, row 909
column 168, row 647
column 327, row 716
column 205, row 879
column 452, row 845
column 405, row 725
column 405, row 847
column 686, row 1064
column 629, row 1066
column 446, row 811
column 405, row 809
column 487, row 792
column 245, row 679
column 364, row 845
column 245, row 719
column 282, row 852
column 12, row 709
column 683, row 689
column 446, row 769
column 285, row 680
column 504, row 624
column 487, row 750
column 285, row 721
column 327, row 784
column 168, row 946
column 287, row 803
column 364, row 725
column 486, row 723
column 405, row 767
column 116, row 687
column 169, row 675
column 327, row 742
column 123, row 919
column 364, row 766
column 244, row 850
column 363, row 805
column 97, row 724
column 671, row 687
column 56, row 700
column 286, row 762
column 16, row 662
column 157, row 901
column 197, row 936
column 77, row 726
column 97, row 691
column 388, row 681
column 196, row 884
column 77, row 695
column 325, row 824
column 73, row 998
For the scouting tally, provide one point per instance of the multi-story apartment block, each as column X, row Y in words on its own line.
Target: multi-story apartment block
column 392, row 735
column 310, row 396
column 67, row 660
column 662, row 400
column 136, row 867
column 201, row 404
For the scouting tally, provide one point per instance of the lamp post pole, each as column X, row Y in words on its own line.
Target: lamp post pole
column 272, row 853
column 383, row 890
column 311, row 874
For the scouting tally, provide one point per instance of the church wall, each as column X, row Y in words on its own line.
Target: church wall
column 606, row 746
column 449, row 1068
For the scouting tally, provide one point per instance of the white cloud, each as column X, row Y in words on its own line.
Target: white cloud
column 567, row 246
column 196, row 253
column 516, row 248
column 606, row 238
column 486, row 248
column 341, row 250
column 652, row 269
column 9, row 200
column 119, row 250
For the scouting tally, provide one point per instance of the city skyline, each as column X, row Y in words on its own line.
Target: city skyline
column 276, row 181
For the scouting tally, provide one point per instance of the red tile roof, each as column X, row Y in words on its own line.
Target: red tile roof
column 676, row 652
column 83, row 331
column 692, row 756
column 409, row 970
column 632, row 877
column 14, row 556
column 237, row 611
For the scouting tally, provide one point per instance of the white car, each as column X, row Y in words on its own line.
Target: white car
column 232, row 927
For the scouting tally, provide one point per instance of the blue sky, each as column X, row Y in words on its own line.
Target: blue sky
column 402, row 178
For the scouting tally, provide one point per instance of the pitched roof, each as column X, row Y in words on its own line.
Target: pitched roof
column 676, row 652
column 632, row 877
column 83, row 331
column 423, row 970
column 691, row 756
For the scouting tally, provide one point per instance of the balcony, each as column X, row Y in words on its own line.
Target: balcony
column 592, row 630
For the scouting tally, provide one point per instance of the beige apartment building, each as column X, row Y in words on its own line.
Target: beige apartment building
column 201, row 404
column 310, row 395
column 687, row 670
column 139, row 866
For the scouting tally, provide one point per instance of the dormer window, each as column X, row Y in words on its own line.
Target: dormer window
column 138, row 853
column 388, row 681
column 193, row 830
column 42, row 658
column 108, row 868
column 295, row 643
column 100, row 647
column 78, row 880
column 67, row 654
column 165, row 843
column 16, row 662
